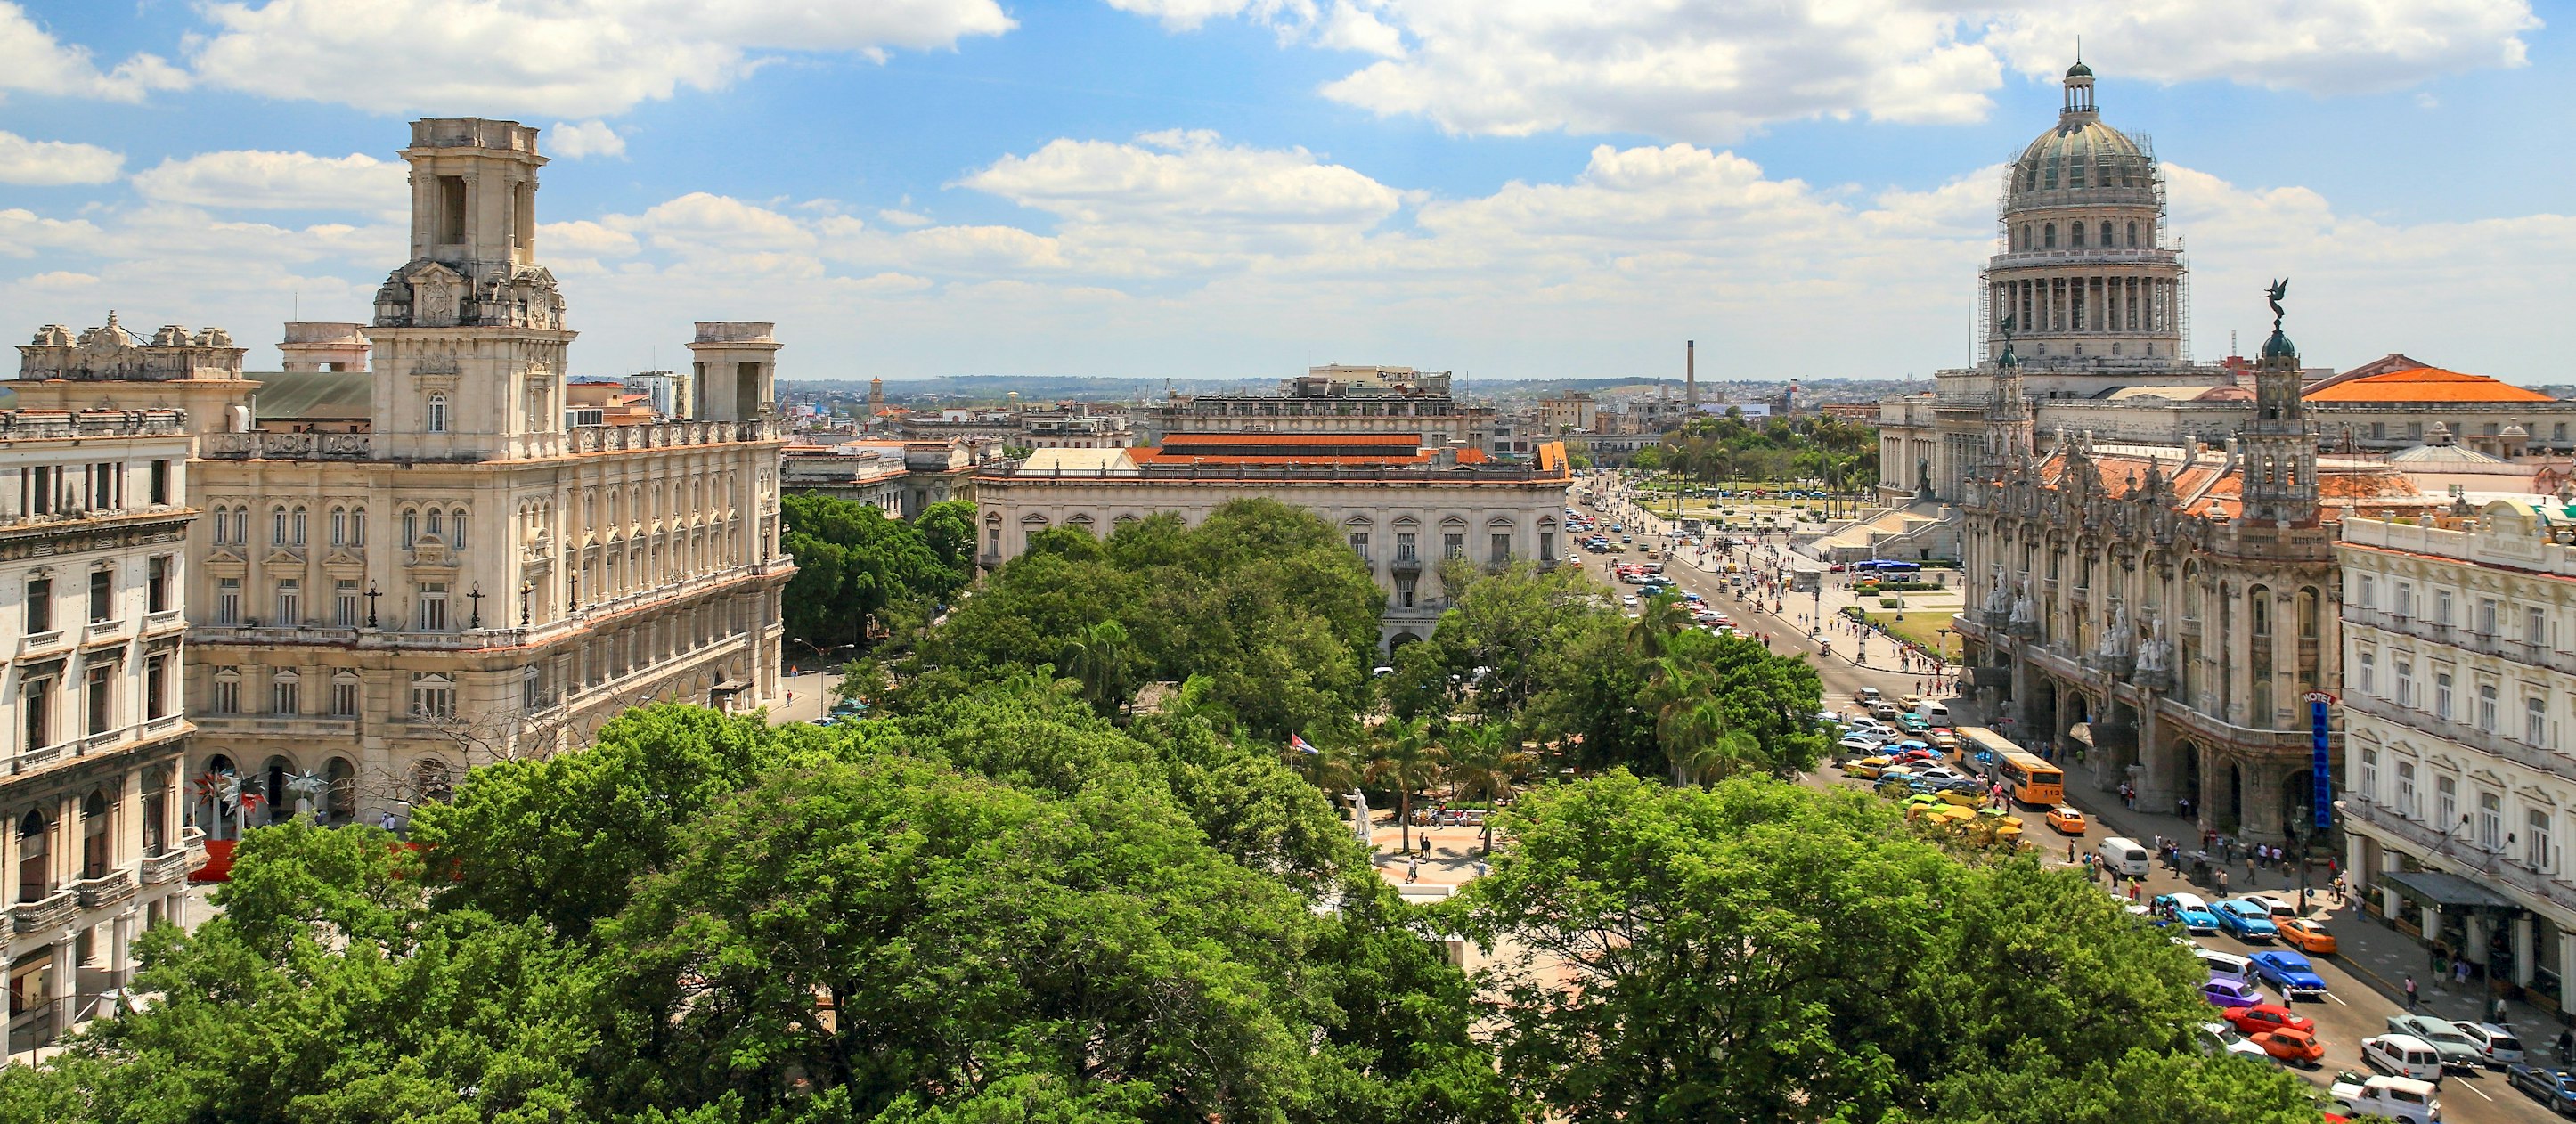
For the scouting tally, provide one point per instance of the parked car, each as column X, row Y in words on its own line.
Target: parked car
column 2290, row 1047
column 2280, row 907
column 2263, row 1015
column 2218, row 1038
column 2229, row 995
column 1854, row 743
column 2066, row 820
column 2403, row 1099
column 2305, row 935
column 2246, row 921
column 2188, row 909
column 2550, row 1087
column 2290, row 974
column 2404, row 1055
column 2502, row 1048
column 2444, row 1036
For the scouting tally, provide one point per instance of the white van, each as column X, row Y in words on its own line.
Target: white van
column 2124, row 857
column 1933, row 712
column 2225, row 965
column 2403, row 1055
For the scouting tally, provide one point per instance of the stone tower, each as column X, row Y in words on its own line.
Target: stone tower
column 2279, row 450
column 469, row 336
column 2085, row 268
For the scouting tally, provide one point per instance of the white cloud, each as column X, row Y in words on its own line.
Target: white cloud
column 571, row 58
column 905, row 219
column 584, row 238
column 584, row 140
column 53, row 163
column 32, row 59
column 279, row 181
column 1711, row 71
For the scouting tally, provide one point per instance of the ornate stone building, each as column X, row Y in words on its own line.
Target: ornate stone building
column 94, row 565
column 469, row 577
column 2175, row 601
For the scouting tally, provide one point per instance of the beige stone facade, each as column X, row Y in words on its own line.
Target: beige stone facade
column 94, row 564
column 471, row 578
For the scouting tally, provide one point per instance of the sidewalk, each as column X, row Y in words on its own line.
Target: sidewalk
column 2364, row 945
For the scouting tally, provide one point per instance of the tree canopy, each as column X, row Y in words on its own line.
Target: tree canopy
column 853, row 561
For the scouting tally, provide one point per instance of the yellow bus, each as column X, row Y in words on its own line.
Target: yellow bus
column 2024, row 776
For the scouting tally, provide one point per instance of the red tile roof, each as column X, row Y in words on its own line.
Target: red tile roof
column 2424, row 384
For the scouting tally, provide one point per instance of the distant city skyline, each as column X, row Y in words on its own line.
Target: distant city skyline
column 1225, row 189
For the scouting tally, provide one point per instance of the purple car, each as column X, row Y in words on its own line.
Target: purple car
column 2231, row 993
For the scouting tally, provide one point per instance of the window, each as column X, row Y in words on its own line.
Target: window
column 216, row 525
column 2405, row 600
column 156, row 584
column 2442, row 695
column 2487, row 706
column 432, row 696
column 2490, row 821
column 433, row 606
column 2106, row 236
column 33, row 859
column 1453, row 546
column 227, row 600
column 1547, row 546
column 40, row 605
column 94, row 836
column 2405, row 683
column 2048, row 231
column 2406, row 789
column 532, row 688
column 2535, row 721
column 1404, row 551
column 2258, row 606
column 100, row 694
column 2075, row 230
column 411, row 528
column 2365, row 592
column 2133, row 236
column 1359, row 546
column 2441, row 606
column 451, row 210
column 160, row 482
column 2370, row 774
column 2366, row 674
column 2379, row 431
column 2535, row 626
column 2308, row 614
column 156, row 822
column 344, row 603
column 241, row 526
column 285, row 693
column 2446, row 803
column 437, row 413
column 357, row 526
column 290, row 603
column 227, row 698
column 295, row 527
column 339, row 526
column 156, row 687
column 102, row 595
column 1404, row 592
column 344, row 696
column 1502, row 548
column 277, row 526
column 36, row 707
column 2486, row 616
column 2536, row 840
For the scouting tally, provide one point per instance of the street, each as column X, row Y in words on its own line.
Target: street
column 2357, row 1007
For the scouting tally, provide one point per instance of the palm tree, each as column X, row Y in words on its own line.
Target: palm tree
column 1483, row 759
column 1662, row 619
column 1406, row 759
column 1335, row 769
column 1098, row 659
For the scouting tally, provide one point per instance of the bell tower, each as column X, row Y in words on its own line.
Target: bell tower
column 2279, row 451
column 469, row 334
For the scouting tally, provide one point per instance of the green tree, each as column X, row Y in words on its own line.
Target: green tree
column 1418, row 684
column 1405, row 760
column 1765, row 952
column 1483, row 761
column 852, row 561
column 949, row 528
column 1099, row 661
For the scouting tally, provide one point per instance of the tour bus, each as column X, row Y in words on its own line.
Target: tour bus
column 2025, row 778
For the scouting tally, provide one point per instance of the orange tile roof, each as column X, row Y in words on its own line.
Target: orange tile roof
column 2425, row 384
column 1405, row 441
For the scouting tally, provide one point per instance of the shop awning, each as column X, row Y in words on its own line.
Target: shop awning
column 2446, row 889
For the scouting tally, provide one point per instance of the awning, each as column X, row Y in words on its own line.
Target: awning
column 2445, row 889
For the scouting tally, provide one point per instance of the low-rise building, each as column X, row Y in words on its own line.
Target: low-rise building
column 94, row 565
column 1402, row 507
column 2459, row 689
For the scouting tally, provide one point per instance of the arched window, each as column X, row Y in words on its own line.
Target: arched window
column 358, row 526
column 2075, row 235
column 2133, row 235
column 339, row 526
column 2023, row 236
column 277, row 526
column 340, row 794
column 2106, row 235
column 437, row 524
column 456, row 529
column 438, row 413
column 2048, row 236
column 2258, row 608
column 411, row 527
column 2308, row 613
column 94, row 836
column 295, row 526
column 241, row 526
column 33, row 853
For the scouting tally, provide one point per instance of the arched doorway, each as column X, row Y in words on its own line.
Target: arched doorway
column 277, row 805
column 2297, row 799
column 2192, row 780
column 339, row 792
column 2233, row 800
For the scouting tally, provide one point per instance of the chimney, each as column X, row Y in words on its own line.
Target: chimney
column 1690, row 376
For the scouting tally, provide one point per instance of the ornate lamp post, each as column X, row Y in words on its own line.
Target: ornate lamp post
column 371, row 603
column 526, row 589
column 474, row 597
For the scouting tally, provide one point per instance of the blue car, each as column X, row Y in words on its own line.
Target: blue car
column 2246, row 921
column 2290, row 974
column 2194, row 914
column 2557, row 1090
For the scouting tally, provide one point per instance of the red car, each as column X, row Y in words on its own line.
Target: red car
column 2295, row 1047
column 2263, row 1017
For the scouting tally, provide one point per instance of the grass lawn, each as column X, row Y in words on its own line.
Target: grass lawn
column 1918, row 626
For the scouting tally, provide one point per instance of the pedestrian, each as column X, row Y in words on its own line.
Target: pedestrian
column 2133, row 890
column 2566, row 1046
column 2070, row 850
column 2410, row 1005
column 2222, row 882
column 1480, row 868
column 1412, row 869
column 2460, row 972
column 2499, row 1014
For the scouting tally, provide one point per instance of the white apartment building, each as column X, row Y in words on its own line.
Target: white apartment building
column 93, row 561
column 2459, row 688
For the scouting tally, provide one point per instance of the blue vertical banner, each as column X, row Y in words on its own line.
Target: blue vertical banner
column 2321, row 770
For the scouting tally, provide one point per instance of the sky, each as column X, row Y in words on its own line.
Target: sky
column 1239, row 188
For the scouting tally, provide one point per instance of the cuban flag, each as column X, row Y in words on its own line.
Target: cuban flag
column 1299, row 744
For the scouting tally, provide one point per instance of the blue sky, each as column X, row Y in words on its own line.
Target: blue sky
column 1237, row 187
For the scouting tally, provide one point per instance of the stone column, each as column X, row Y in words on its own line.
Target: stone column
column 2160, row 779
column 2522, row 950
column 62, row 985
column 2262, row 817
column 120, row 959
column 2390, row 862
column 2474, row 945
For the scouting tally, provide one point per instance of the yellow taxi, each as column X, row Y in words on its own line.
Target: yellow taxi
column 1909, row 702
column 1867, row 767
column 2305, row 935
column 2065, row 820
column 1942, row 739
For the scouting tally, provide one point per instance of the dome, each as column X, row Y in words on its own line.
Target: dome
column 2079, row 70
column 2082, row 160
column 2280, row 347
